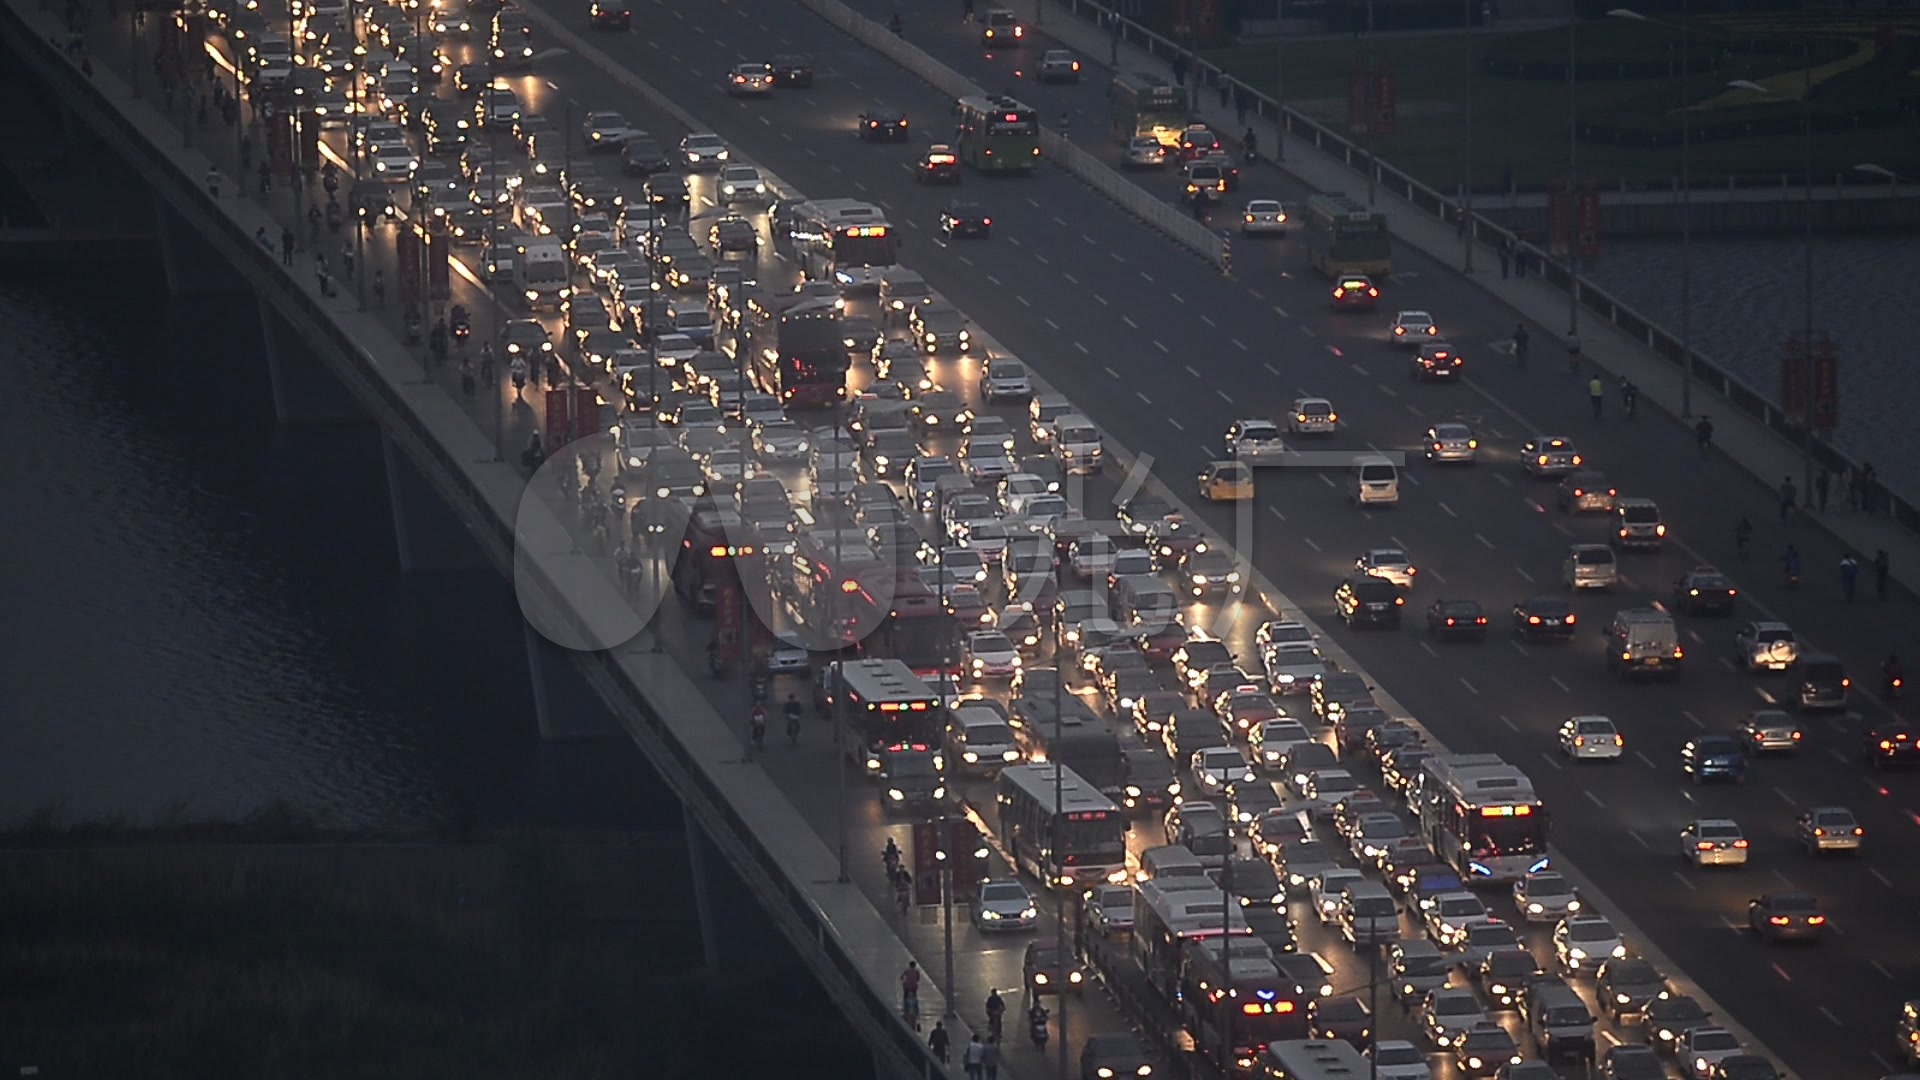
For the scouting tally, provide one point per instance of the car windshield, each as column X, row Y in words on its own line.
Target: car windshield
column 1461, row 906
column 1640, row 515
column 1003, row 892
column 1593, row 556
column 1714, row 1039
column 1548, row 885
column 1489, row 935
column 1833, row 819
column 1794, row 905
column 1590, row 931
column 1456, row 1005
column 992, row 643
column 1719, row 832
column 1398, row 1055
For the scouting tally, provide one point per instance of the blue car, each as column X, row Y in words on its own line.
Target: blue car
column 1714, row 757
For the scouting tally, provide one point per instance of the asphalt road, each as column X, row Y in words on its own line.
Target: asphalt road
column 1153, row 345
column 1162, row 353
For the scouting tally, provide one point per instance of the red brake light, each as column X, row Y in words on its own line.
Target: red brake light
column 1703, row 846
column 1816, row 920
column 1740, row 843
column 1778, row 920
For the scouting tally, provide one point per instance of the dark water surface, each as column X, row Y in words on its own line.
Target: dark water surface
column 204, row 614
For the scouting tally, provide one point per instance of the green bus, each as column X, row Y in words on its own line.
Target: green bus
column 997, row 134
column 1149, row 107
column 1344, row 237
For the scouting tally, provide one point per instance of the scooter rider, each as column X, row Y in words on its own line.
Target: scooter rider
column 1250, row 145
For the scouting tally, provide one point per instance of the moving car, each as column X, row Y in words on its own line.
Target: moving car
column 1709, row 757
column 1355, row 292
column 1829, row 828
column 1766, row 646
column 1714, row 842
column 1544, row 618
column 1226, row 481
column 750, row 79
column 1145, row 153
column 1312, row 416
column 1451, row 441
column 1264, row 217
column 1004, row 904
column 1545, row 897
column 1591, row 738
column 1059, row 65
column 1437, row 360
column 1410, row 328
column 1767, row 731
column 965, row 219
column 883, row 123
column 1456, row 619
column 1581, row 943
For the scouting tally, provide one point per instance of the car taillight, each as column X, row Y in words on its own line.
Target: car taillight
column 1778, row 920
column 1703, row 846
column 1740, row 843
column 1816, row 920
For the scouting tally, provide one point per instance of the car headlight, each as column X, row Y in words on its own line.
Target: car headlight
column 1619, row 952
column 1573, row 905
column 1030, row 913
column 989, row 915
column 1535, row 909
column 1576, row 954
column 896, row 795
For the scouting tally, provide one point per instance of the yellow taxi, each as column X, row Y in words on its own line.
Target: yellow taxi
column 1226, row 481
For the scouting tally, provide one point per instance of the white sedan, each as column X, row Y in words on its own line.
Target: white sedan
column 1264, row 217
column 1714, row 842
column 1398, row 1059
column 1410, row 328
column 606, row 131
column 1581, row 943
column 1146, row 153
column 1218, row 766
column 991, row 655
column 741, row 183
column 1591, row 738
column 1545, row 897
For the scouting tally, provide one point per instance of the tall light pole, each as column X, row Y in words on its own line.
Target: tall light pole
column 1573, row 168
column 1806, row 362
column 1466, row 192
column 1280, row 82
column 1373, row 112
column 1686, row 198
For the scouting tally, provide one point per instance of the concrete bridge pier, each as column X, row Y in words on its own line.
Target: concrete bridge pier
column 737, row 939
column 191, row 263
column 431, row 538
column 305, row 393
column 564, row 704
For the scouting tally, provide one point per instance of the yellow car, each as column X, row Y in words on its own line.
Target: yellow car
column 1226, row 481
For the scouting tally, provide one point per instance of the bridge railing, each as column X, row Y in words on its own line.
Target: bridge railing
column 1712, row 375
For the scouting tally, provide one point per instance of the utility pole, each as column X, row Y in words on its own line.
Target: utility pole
column 1466, row 191
column 1373, row 112
column 1573, row 168
column 1280, row 83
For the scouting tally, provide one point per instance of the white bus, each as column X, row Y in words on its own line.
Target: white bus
column 887, row 705
column 1166, row 918
column 1481, row 816
column 1067, row 833
column 1313, row 1059
column 844, row 241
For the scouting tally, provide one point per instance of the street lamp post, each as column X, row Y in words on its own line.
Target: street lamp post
column 1686, row 200
column 1466, row 191
column 1806, row 363
column 1373, row 111
column 1573, row 169
column 493, row 310
column 1280, row 82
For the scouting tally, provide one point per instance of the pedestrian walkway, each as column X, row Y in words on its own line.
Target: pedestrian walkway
column 1742, row 439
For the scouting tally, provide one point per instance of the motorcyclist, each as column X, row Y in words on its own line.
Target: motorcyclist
column 890, row 855
column 1790, row 562
column 1896, row 676
column 996, row 1012
column 1250, row 144
column 1037, row 1024
column 518, row 370
column 1703, row 434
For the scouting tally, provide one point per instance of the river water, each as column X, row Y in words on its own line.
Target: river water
column 205, row 613
column 1749, row 295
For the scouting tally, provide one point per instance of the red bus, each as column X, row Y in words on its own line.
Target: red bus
column 799, row 351
column 718, row 553
column 912, row 625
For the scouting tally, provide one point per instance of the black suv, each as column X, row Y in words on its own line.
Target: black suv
column 1369, row 601
column 965, row 219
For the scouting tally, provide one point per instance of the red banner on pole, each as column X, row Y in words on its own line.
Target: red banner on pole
column 586, row 413
column 926, row 862
column 559, row 427
column 439, row 256
column 968, row 863
column 1587, row 214
column 1385, row 107
column 1826, row 386
column 726, row 623
column 406, row 263
column 280, row 143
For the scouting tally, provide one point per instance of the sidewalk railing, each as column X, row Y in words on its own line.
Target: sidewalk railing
column 1714, row 377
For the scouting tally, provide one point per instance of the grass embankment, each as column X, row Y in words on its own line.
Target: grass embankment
column 1521, row 123
column 194, row 966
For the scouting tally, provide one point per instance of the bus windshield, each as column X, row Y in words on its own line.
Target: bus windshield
column 1490, row 837
column 1097, row 840
column 1012, row 123
column 874, row 248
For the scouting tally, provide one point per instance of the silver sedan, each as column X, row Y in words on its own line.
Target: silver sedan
column 1770, row 731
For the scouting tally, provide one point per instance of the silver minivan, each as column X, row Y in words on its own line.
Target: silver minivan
column 1375, row 482
column 1590, row 566
column 1170, row 861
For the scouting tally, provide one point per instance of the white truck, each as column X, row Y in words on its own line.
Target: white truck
column 542, row 272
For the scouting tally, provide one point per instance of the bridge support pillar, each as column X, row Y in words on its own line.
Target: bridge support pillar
column 563, row 703
column 431, row 538
column 305, row 393
column 737, row 938
column 192, row 265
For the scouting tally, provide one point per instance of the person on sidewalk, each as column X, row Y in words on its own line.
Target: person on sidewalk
column 1506, row 256
column 1821, row 484
column 1849, row 576
column 974, row 1058
column 1597, row 395
column 1881, row 568
column 1572, row 342
column 1789, row 497
column 990, row 1059
column 286, row 246
column 1703, row 434
column 938, row 1041
column 213, row 182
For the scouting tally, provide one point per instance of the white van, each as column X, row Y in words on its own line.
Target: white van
column 1078, row 443
column 1375, row 481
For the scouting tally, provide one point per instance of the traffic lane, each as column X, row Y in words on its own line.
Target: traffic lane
column 1675, row 439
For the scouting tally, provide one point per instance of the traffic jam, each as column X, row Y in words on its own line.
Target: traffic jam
column 889, row 516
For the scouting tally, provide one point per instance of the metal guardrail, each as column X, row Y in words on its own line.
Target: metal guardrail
column 894, row 1043
column 1054, row 146
column 1712, row 376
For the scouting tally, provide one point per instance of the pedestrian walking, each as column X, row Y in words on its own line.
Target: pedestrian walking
column 518, row 371
column 990, row 1059
column 266, row 178
column 975, row 1057
column 1821, row 484
column 910, row 990
column 260, row 237
column 1849, row 575
column 1881, row 568
column 1703, row 434
column 213, row 182
column 1597, row 394
column 346, row 261
column 937, row 1040
column 1789, row 497
column 1506, row 256
column 1870, row 489
column 380, row 287
column 286, row 246
column 467, row 380
column 1572, row 342
column 757, row 727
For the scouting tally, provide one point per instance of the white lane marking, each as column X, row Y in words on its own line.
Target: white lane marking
column 1308, row 540
column 1595, row 799
column 1162, row 348
column 1102, row 299
column 1431, row 572
column 1146, row 275
column 1089, row 239
column 1131, row 325
column 1552, row 760
column 1784, row 797
column 1449, row 510
column 1644, row 759
column 1191, row 371
column 1695, row 720
column 1828, row 1013
column 1041, row 259
column 1563, row 686
column 1082, row 348
column 1484, row 541
column 1505, row 719
column 1503, row 479
column 993, row 280
column 1275, row 511
column 1880, row 877
column 1024, row 302
column 1280, row 311
column 1470, row 687
column 1641, row 839
column 1224, row 396
column 1308, row 330
column 1429, row 649
column 1327, row 480
column 1051, row 323
column 1241, row 345
column 1070, row 279
column 1060, row 221
column 1177, row 425
column 1519, row 648
column 1358, row 370
column 1387, row 391
column 1143, row 397
column 1116, row 256
column 1882, row 969
column 1208, row 321
column 1682, row 879
column 1176, row 297
column 966, row 260
column 1112, row 374
column 1523, row 573
column 1271, row 370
